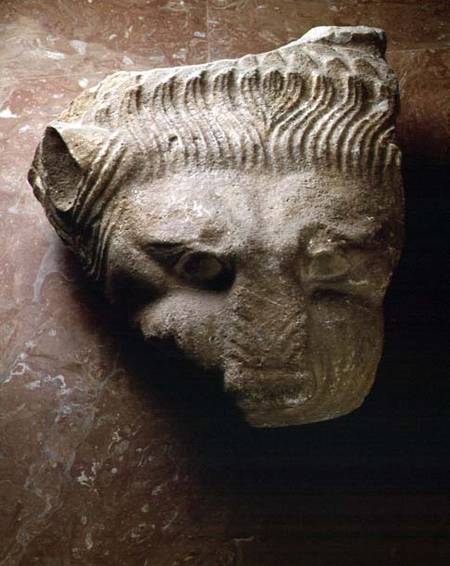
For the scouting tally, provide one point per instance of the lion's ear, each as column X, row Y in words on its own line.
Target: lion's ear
column 61, row 162
column 372, row 40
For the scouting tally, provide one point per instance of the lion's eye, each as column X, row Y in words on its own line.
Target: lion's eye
column 199, row 267
column 327, row 265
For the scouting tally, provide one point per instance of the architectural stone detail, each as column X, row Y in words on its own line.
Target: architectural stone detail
column 249, row 210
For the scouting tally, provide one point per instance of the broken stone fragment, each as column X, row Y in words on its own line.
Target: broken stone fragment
column 249, row 210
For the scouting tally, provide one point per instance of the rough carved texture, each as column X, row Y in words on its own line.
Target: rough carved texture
column 249, row 210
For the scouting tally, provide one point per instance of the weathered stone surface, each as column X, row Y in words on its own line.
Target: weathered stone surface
column 248, row 210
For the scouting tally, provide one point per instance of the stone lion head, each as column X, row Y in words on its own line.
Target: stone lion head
column 249, row 210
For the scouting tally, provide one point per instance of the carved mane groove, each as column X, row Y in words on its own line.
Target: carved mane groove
column 318, row 102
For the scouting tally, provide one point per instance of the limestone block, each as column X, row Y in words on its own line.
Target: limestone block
column 249, row 210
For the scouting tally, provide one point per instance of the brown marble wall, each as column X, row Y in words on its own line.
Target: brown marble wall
column 111, row 456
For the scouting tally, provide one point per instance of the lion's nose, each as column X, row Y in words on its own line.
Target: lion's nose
column 265, row 341
column 266, row 322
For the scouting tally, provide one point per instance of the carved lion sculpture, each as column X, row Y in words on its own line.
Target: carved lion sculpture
column 248, row 209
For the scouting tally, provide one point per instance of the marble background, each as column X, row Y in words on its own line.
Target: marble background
column 108, row 456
